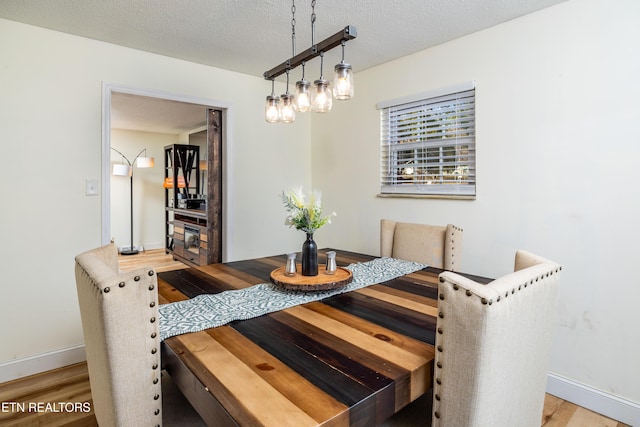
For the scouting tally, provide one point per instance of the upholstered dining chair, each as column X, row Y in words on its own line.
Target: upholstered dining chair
column 493, row 346
column 436, row 246
column 119, row 314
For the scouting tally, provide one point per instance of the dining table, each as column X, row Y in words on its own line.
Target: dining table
column 351, row 359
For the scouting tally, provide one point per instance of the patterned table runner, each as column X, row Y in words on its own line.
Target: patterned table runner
column 212, row 310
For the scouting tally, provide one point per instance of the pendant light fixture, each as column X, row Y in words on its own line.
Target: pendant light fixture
column 271, row 113
column 322, row 100
column 343, row 80
column 319, row 98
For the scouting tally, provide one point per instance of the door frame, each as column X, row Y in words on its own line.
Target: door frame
column 107, row 90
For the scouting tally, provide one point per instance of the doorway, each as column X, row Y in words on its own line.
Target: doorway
column 157, row 112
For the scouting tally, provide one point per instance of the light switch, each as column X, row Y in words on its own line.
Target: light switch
column 92, row 187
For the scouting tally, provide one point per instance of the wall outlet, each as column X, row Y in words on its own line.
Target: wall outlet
column 91, row 186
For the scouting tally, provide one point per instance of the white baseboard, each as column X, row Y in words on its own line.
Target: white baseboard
column 142, row 247
column 41, row 362
column 593, row 399
column 154, row 246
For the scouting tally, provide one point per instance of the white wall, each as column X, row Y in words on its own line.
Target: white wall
column 557, row 113
column 148, row 193
column 50, row 120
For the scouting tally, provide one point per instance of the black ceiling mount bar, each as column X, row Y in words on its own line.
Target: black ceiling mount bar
column 327, row 44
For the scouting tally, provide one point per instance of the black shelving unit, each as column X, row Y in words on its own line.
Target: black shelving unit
column 186, row 225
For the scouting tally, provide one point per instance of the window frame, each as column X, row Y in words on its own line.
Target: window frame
column 441, row 120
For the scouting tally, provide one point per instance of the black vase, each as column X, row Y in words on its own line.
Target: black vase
column 309, row 257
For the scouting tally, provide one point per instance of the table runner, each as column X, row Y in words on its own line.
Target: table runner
column 213, row 310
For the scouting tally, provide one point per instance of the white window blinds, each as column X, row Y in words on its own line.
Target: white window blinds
column 428, row 146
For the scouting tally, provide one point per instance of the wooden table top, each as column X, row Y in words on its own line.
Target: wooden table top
column 352, row 359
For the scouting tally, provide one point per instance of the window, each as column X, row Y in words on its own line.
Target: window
column 428, row 144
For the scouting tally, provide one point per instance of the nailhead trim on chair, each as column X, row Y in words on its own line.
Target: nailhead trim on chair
column 154, row 350
column 484, row 301
column 456, row 287
column 453, row 248
column 153, row 335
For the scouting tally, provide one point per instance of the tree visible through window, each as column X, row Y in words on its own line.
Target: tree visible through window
column 428, row 145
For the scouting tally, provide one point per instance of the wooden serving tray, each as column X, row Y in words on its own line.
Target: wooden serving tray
column 321, row 282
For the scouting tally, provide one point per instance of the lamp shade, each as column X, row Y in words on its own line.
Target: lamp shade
column 121, row 170
column 203, row 165
column 145, row 162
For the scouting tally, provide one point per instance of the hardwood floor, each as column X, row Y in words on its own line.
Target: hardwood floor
column 157, row 258
column 57, row 397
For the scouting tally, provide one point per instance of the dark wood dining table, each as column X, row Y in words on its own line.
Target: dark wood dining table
column 353, row 359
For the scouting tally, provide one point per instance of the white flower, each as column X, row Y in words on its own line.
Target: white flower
column 304, row 216
column 297, row 197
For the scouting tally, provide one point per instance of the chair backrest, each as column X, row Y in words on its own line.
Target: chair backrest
column 493, row 345
column 120, row 324
column 434, row 245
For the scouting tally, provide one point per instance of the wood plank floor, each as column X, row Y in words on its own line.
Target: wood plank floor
column 35, row 400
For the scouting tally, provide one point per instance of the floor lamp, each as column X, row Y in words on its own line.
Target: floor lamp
column 127, row 169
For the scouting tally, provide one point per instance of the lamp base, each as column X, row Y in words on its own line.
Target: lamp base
column 128, row 252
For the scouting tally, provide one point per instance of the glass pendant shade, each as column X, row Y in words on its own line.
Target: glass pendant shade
column 343, row 82
column 271, row 113
column 287, row 111
column 322, row 99
column 302, row 100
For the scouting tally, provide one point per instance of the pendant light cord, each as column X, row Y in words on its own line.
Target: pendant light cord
column 293, row 28
column 313, row 23
column 287, row 92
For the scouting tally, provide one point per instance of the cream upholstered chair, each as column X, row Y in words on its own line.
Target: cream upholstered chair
column 119, row 319
column 436, row 246
column 493, row 346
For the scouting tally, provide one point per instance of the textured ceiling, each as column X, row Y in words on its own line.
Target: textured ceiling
column 252, row 36
column 146, row 114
